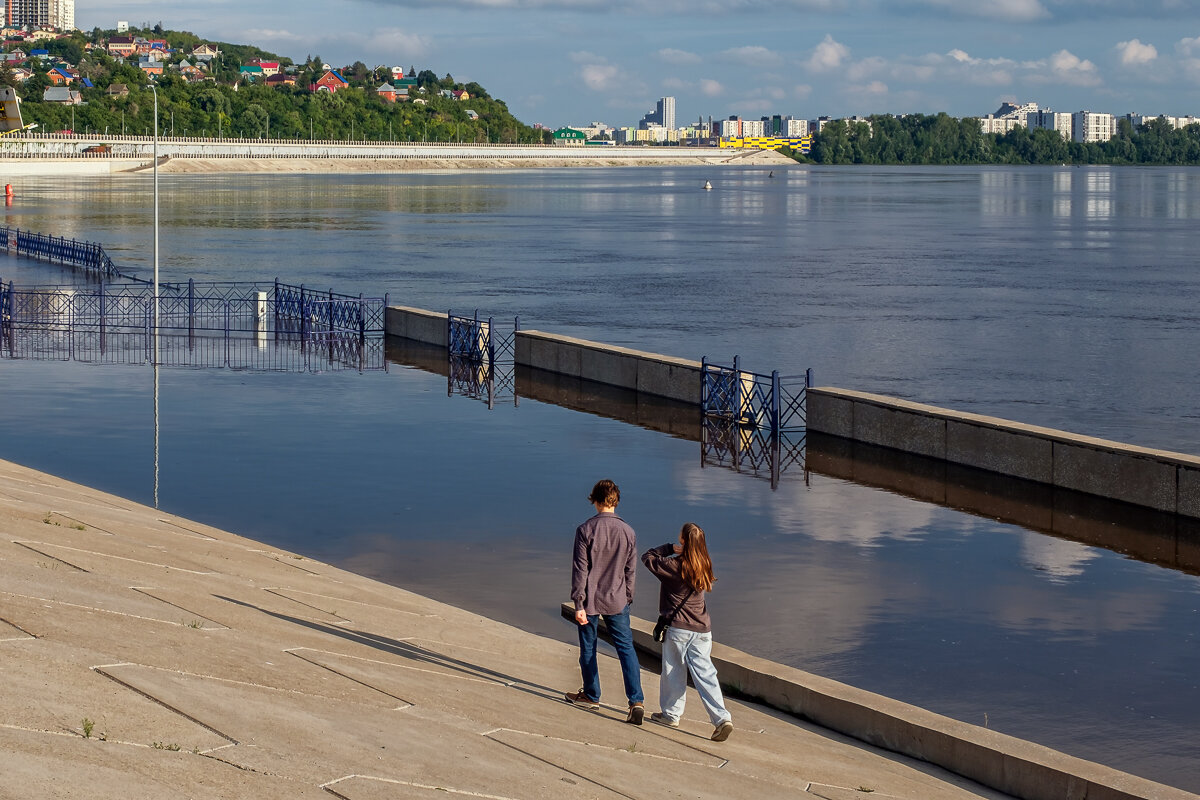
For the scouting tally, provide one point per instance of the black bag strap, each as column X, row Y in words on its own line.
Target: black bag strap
column 679, row 607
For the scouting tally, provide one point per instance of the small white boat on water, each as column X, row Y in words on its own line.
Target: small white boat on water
column 707, row 185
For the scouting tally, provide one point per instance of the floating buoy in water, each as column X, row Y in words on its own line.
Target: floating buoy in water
column 707, row 185
column 771, row 174
column 8, row 190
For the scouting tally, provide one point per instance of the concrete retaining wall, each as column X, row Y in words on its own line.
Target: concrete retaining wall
column 417, row 324
column 651, row 373
column 1007, row 764
column 1157, row 479
column 191, row 147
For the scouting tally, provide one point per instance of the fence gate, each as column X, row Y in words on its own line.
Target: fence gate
column 482, row 359
column 751, row 422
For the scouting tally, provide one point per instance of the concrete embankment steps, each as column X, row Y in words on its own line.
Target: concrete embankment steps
column 146, row 655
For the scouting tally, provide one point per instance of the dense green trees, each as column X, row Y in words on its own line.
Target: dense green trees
column 941, row 139
column 230, row 108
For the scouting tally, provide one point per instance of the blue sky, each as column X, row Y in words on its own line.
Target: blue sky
column 573, row 61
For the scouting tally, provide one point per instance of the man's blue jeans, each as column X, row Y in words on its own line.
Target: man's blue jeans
column 622, row 638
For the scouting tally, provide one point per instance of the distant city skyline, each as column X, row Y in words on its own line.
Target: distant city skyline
column 560, row 62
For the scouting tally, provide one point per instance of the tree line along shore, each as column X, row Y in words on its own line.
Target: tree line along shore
column 918, row 139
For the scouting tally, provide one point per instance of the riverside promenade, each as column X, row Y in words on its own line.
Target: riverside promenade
column 144, row 656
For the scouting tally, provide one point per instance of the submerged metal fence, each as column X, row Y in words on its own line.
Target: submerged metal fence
column 239, row 326
column 86, row 256
column 747, row 398
column 750, row 422
column 482, row 359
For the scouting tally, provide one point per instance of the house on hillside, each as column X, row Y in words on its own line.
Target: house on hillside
column 15, row 57
column 60, row 77
column 251, row 72
column 280, row 79
column 206, row 52
column 150, row 66
column 460, row 95
column 331, row 81
column 121, row 46
column 386, row 92
column 472, row 115
column 40, row 54
column 61, row 94
column 117, row 90
column 268, row 67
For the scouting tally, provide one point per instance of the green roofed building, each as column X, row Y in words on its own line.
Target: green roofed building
column 569, row 136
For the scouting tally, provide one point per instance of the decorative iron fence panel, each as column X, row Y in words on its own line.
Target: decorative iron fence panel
column 482, row 359
column 750, row 399
column 87, row 256
column 468, row 338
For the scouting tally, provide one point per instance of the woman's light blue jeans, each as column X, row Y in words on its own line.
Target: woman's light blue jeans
column 694, row 650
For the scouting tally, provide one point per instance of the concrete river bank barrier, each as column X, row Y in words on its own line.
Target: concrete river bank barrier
column 1156, row 479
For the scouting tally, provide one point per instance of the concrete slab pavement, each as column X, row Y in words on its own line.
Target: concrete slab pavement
column 145, row 655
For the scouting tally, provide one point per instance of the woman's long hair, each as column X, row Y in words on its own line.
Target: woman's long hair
column 696, row 565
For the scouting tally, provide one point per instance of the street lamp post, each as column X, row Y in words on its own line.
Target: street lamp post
column 154, row 89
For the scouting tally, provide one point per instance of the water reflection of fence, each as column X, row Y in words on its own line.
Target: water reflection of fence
column 751, row 450
column 86, row 256
column 752, row 423
column 239, row 325
column 482, row 359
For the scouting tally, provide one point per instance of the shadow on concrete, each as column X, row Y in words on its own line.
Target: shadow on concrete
column 409, row 651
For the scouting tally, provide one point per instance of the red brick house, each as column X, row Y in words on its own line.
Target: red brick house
column 331, row 81
column 386, row 92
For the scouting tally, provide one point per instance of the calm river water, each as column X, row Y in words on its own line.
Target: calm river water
column 1062, row 297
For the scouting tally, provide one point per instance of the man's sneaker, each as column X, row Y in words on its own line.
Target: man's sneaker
column 722, row 731
column 636, row 712
column 580, row 699
column 663, row 719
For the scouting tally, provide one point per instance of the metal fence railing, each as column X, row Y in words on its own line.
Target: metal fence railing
column 86, row 256
column 482, row 359
column 239, row 326
column 750, row 422
column 770, row 401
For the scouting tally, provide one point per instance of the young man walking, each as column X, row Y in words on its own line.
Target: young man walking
column 603, row 569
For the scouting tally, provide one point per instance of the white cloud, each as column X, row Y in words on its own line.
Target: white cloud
column 397, row 42
column 1134, row 53
column 271, row 35
column 711, row 88
column 867, row 68
column 1008, row 10
column 1070, row 69
column 585, row 57
column 753, row 56
column 599, row 77
column 1188, row 47
column 875, row 88
column 673, row 56
column 803, row 91
column 828, row 55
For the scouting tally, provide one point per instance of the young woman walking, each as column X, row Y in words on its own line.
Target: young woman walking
column 685, row 571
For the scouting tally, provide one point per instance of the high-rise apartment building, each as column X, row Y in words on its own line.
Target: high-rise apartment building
column 663, row 115
column 36, row 13
column 1060, row 121
column 1092, row 126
